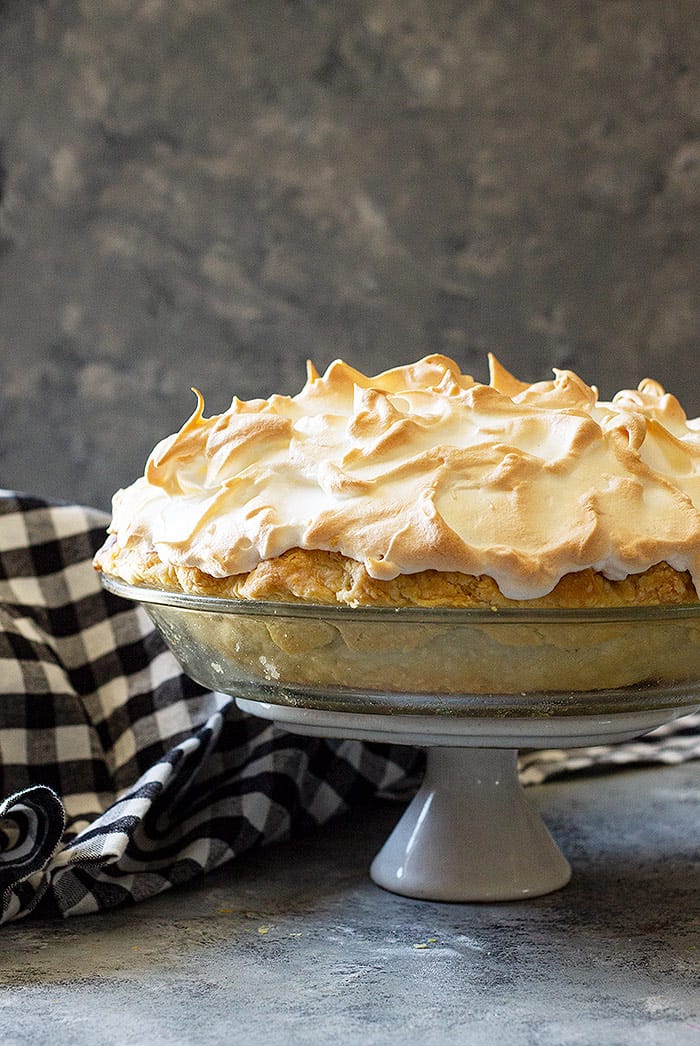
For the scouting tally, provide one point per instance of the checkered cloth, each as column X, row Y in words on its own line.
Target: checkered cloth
column 122, row 776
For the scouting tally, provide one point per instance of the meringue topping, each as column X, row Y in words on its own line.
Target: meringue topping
column 421, row 467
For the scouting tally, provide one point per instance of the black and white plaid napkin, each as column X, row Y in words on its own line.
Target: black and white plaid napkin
column 122, row 776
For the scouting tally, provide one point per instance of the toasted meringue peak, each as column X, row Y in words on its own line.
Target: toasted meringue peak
column 421, row 467
column 502, row 380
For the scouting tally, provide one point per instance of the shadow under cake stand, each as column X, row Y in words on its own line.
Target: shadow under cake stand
column 470, row 833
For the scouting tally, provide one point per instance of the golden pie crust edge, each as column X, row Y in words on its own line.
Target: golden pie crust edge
column 331, row 579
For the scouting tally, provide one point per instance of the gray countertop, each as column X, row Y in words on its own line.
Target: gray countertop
column 294, row 944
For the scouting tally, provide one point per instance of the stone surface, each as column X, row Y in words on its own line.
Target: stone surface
column 294, row 944
column 207, row 193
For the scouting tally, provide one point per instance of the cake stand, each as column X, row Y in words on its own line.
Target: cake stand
column 472, row 687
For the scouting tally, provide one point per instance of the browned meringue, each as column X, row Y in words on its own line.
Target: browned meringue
column 423, row 468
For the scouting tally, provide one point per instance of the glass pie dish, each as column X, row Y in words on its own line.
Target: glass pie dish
column 471, row 686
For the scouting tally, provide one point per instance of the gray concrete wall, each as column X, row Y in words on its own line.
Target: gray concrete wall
column 207, row 192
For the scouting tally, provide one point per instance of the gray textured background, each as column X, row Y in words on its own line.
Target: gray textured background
column 207, row 192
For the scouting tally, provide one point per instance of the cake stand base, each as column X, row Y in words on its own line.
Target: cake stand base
column 470, row 833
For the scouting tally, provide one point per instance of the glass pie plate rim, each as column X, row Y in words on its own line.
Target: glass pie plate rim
column 353, row 688
column 426, row 615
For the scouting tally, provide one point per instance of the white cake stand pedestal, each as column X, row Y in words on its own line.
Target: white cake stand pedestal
column 470, row 833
